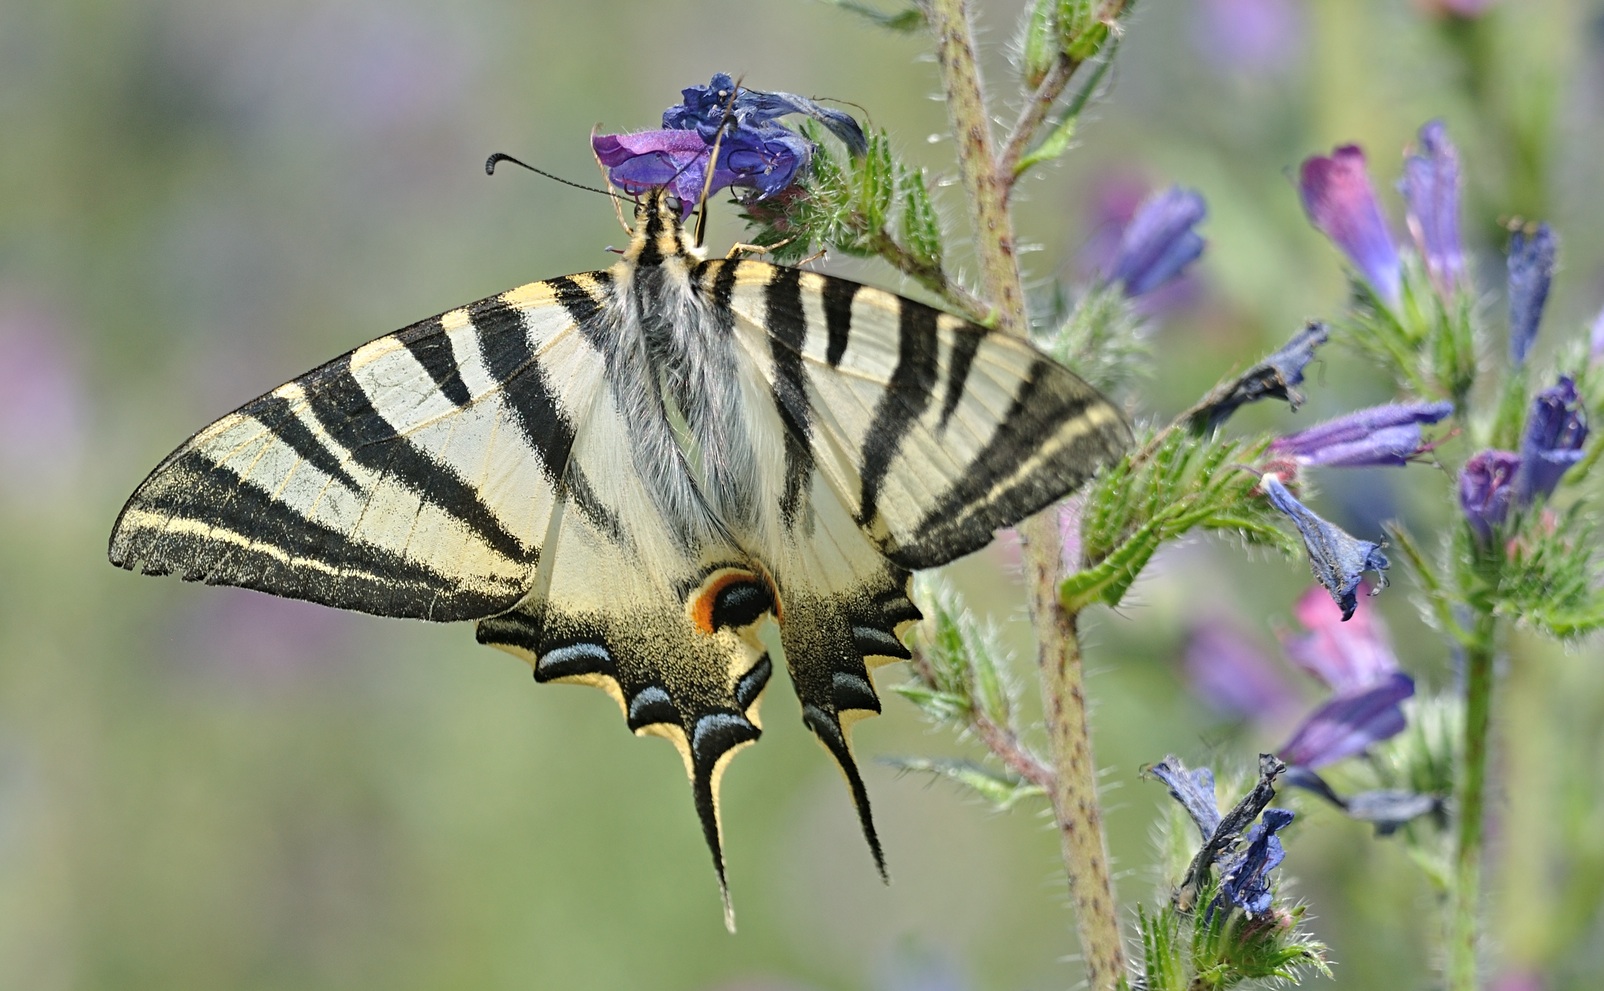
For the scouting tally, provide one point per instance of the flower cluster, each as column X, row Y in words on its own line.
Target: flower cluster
column 739, row 125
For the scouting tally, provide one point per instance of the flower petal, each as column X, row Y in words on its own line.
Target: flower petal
column 1341, row 204
column 1556, row 430
column 1194, row 789
column 1159, row 242
column 1531, row 269
column 1430, row 188
column 1486, row 489
column 1337, row 559
column 1345, row 656
column 1348, row 724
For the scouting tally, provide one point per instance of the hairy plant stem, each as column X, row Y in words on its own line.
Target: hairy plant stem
column 1464, row 910
column 1074, row 790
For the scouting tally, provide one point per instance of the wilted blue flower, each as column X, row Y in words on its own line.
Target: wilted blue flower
column 753, row 149
column 1159, row 242
column 1379, row 435
column 1430, row 188
column 1347, row 656
column 1341, row 204
column 1337, row 559
column 1245, row 881
column 1531, row 269
column 1486, row 489
column 1349, row 723
column 1229, row 672
column 1556, row 429
column 1274, row 377
column 1194, row 789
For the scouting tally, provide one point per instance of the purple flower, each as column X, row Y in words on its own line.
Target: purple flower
column 1349, row 723
column 1245, row 880
column 646, row 159
column 1229, row 672
column 1379, row 435
column 1159, row 242
column 1486, row 487
column 1250, row 36
column 1430, row 188
column 1595, row 340
column 1194, row 789
column 1274, row 377
column 1344, row 656
column 1337, row 559
column 1341, row 204
column 1531, row 269
column 753, row 149
column 1556, row 429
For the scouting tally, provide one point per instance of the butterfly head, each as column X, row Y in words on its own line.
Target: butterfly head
column 659, row 231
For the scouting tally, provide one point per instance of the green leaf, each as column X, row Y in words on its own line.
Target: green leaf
column 1001, row 789
column 907, row 20
column 1057, row 141
column 921, row 226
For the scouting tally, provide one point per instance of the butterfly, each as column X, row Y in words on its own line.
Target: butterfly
column 624, row 476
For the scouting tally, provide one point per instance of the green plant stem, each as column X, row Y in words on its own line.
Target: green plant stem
column 1074, row 791
column 1464, row 910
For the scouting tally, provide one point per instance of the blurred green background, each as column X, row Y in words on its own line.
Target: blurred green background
column 211, row 788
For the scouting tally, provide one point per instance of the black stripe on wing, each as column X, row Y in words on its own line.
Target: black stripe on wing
column 903, row 402
column 1023, row 467
column 787, row 326
column 432, row 348
column 342, row 407
column 255, row 541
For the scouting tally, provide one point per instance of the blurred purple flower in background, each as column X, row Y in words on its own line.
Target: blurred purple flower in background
column 43, row 405
column 1595, row 340
column 251, row 637
column 1159, row 242
column 1486, row 489
column 1252, row 37
column 1345, row 655
column 1430, row 187
column 1460, row 9
column 1379, row 435
column 1229, row 672
column 1531, row 269
column 1556, row 429
column 1342, row 205
column 1337, row 559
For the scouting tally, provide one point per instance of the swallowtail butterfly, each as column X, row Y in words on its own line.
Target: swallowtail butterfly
column 622, row 475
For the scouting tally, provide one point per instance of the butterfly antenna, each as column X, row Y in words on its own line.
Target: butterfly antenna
column 499, row 157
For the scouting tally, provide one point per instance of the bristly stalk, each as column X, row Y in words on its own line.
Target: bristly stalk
column 1074, row 791
column 1463, row 940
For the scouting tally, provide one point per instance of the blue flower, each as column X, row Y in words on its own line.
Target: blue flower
column 1531, row 269
column 1337, row 559
column 1194, row 789
column 1430, row 188
column 754, row 151
column 1556, row 429
column 1246, row 879
column 1274, row 377
column 1341, row 204
column 1159, row 242
column 1486, row 489
column 1349, row 723
column 1379, row 435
